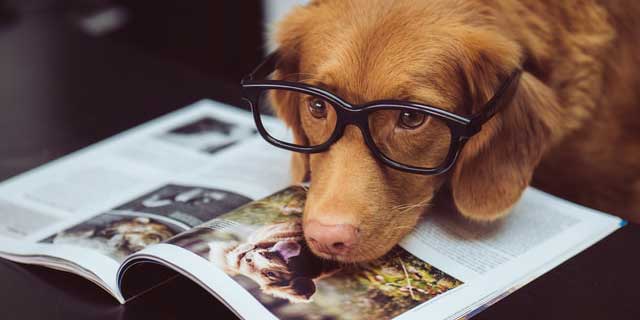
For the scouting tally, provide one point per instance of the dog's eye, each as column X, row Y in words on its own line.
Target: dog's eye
column 411, row 119
column 317, row 108
column 271, row 274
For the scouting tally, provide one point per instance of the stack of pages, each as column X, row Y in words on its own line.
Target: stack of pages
column 197, row 193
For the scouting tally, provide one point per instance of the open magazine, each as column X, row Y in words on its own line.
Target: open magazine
column 197, row 193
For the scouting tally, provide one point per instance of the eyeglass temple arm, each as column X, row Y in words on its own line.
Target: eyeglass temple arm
column 500, row 99
column 264, row 68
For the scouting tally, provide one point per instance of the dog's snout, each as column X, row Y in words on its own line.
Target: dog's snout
column 331, row 239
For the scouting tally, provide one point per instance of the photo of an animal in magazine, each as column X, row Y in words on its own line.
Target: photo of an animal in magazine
column 208, row 134
column 261, row 246
column 149, row 219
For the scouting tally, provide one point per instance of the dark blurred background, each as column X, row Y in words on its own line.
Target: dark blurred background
column 217, row 38
column 73, row 72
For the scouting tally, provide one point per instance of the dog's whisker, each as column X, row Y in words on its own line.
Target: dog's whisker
column 406, row 207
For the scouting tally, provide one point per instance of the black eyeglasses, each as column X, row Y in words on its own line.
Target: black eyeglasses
column 422, row 139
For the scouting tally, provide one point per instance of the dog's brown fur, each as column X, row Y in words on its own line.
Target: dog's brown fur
column 574, row 120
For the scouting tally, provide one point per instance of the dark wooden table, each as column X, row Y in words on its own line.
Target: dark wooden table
column 61, row 90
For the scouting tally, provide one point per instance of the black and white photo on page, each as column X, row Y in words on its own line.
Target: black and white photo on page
column 149, row 219
column 208, row 134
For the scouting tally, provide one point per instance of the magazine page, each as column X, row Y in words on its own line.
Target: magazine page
column 255, row 260
column 93, row 208
column 495, row 259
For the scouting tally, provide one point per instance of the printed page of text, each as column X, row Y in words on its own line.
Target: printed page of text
column 98, row 205
column 493, row 259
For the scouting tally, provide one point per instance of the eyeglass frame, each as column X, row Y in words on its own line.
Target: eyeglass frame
column 462, row 128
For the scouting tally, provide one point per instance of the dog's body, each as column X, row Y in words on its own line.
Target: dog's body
column 596, row 161
column 276, row 258
column 573, row 127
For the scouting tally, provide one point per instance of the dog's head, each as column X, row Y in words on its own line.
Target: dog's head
column 286, row 269
column 449, row 54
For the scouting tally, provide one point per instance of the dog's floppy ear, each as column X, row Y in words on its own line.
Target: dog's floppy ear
column 288, row 39
column 497, row 164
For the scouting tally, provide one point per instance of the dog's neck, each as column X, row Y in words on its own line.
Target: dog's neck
column 551, row 31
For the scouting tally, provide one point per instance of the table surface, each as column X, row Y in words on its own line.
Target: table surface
column 62, row 90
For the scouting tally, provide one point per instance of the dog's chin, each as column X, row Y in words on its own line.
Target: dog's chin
column 349, row 258
column 322, row 255
column 363, row 253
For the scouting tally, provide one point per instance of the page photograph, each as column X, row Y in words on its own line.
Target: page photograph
column 149, row 219
column 261, row 247
column 208, row 134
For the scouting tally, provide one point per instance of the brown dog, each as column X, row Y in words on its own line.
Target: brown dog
column 573, row 125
